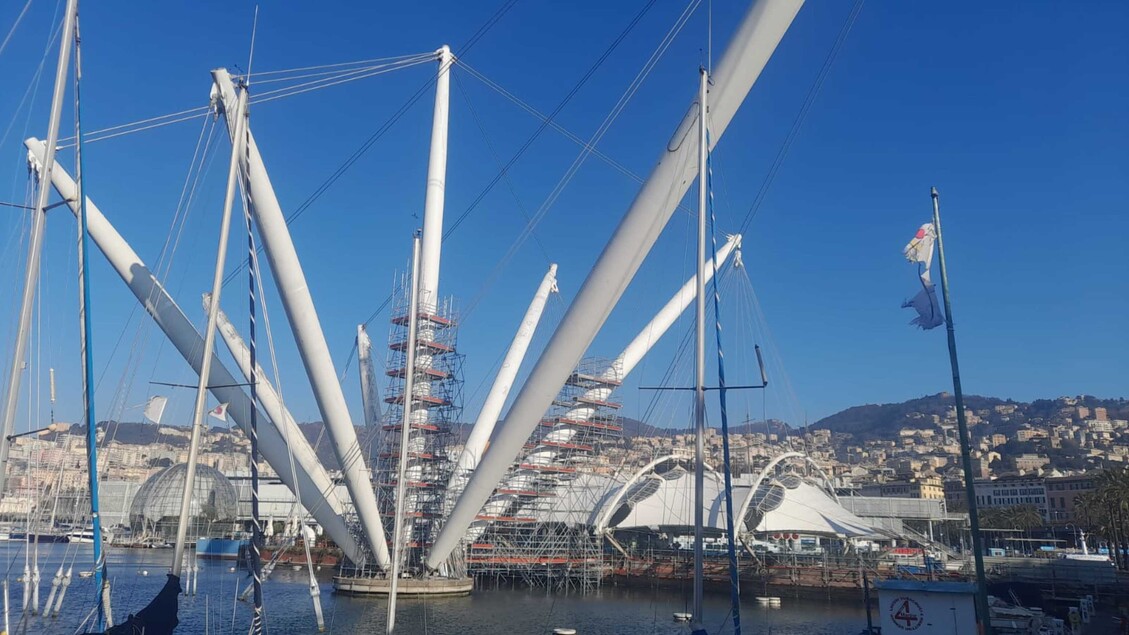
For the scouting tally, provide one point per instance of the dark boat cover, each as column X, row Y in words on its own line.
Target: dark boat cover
column 158, row 618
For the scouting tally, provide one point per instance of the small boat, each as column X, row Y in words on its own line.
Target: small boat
column 219, row 548
column 39, row 537
column 84, row 535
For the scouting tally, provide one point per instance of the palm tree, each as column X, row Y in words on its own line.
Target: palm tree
column 1105, row 511
column 1114, row 484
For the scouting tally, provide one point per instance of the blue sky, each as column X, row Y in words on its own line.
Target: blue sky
column 1015, row 112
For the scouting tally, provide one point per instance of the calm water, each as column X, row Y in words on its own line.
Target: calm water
column 289, row 607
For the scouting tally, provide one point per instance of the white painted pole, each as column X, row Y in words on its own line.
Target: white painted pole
column 700, row 362
column 35, row 243
column 436, row 184
column 370, row 391
column 405, row 434
column 492, row 408
column 317, row 489
column 302, row 314
column 200, row 408
column 757, row 37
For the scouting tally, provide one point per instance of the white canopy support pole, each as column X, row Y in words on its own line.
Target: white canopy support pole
column 370, row 391
column 199, row 409
column 492, row 408
column 746, row 56
column 436, row 184
column 317, row 489
column 35, row 244
column 304, row 322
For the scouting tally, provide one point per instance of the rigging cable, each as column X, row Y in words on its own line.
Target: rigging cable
column 593, row 141
column 15, row 25
column 380, row 132
column 798, row 123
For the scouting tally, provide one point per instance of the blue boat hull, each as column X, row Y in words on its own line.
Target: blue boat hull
column 219, row 548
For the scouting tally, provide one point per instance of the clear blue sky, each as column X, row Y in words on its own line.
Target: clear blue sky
column 1016, row 112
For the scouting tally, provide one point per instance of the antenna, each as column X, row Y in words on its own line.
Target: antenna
column 51, row 372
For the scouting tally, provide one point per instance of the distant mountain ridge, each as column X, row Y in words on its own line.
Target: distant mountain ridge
column 883, row 421
column 870, row 421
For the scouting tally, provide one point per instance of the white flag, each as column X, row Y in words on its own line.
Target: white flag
column 928, row 310
column 155, row 408
column 219, row 412
column 920, row 248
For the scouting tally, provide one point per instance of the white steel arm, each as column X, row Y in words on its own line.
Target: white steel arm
column 746, row 56
column 316, row 487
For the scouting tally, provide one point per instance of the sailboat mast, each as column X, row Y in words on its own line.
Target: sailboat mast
column 256, row 523
column 700, row 357
column 101, row 581
column 405, row 432
column 35, row 243
column 209, row 337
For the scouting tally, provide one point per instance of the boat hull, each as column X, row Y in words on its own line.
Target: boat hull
column 219, row 548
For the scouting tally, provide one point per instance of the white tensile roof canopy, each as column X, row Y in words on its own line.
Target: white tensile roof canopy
column 775, row 502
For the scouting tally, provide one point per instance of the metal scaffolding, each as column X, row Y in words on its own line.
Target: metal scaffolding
column 536, row 529
column 436, row 406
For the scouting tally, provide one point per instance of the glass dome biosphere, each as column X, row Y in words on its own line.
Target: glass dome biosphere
column 155, row 510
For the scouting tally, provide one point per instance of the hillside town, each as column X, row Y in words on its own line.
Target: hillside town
column 1043, row 455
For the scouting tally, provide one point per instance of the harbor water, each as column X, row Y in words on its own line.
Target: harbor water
column 137, row 576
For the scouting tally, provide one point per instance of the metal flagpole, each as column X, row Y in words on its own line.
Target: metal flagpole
column 962, row 427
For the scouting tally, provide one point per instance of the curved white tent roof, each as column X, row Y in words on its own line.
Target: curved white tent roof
column 666, row 501
column 807, row 509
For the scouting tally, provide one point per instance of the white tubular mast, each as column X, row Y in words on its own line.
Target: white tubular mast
column 746, row 56
column 304, row 322
column 35, row 243
column 405, row 437
column 272, row 404
column 317, row 488
column 436, row 185
column 700, row 357
column 198, row 411
column 496, row 399
column 370, row 392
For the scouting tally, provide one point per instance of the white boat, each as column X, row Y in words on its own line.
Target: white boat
column 84, row 535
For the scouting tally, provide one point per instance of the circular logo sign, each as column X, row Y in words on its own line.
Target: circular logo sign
column 906, row 614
